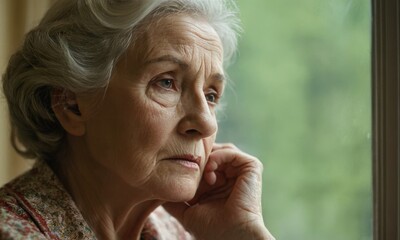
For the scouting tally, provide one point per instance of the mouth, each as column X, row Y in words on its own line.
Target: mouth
column 187, row 160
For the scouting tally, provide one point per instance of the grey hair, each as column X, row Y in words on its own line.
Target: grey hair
column 75, row 47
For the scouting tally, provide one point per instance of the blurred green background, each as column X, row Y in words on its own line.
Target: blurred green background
column 300, row 100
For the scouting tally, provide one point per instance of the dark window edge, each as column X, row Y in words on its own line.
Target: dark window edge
column 386, row 117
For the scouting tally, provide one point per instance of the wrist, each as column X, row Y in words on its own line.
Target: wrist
column 254, row 231
column 260, row 232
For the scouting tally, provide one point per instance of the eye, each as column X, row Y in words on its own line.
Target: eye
column 212, row 97
column 165, row 83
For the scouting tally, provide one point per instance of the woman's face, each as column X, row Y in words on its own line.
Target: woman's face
column 156, row 124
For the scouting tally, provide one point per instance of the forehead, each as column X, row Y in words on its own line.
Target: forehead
column 181, row 33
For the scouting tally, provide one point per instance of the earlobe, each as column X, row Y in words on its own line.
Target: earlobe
column 66, row 108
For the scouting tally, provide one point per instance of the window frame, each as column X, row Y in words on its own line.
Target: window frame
column 386, row 117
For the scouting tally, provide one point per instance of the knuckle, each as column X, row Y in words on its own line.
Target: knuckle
column 230, row 145
column 259, row 164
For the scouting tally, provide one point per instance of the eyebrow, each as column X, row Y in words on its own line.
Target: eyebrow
column 170, row 58
column 218, row 77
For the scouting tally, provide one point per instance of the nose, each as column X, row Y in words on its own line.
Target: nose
column 198, row 120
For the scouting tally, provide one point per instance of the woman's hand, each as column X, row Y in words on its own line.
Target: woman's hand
column 227, row 204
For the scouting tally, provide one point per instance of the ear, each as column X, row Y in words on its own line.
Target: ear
column 66, row 108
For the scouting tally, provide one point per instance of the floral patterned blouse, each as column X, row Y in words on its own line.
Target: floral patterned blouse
column 36, row 206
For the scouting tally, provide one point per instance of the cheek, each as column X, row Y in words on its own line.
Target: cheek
column 208, row 144
column 144, row 130
column 124, row 130
column 138, row 138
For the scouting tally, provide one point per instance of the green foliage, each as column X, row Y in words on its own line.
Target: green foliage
column 301, row 103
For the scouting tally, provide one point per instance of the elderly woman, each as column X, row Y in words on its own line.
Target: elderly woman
column 116, row 100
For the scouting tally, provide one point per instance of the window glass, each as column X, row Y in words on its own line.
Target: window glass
column 300, row 100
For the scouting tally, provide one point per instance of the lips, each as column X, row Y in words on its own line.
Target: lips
column 189, row 159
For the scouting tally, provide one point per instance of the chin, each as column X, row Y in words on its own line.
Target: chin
column 180, row 191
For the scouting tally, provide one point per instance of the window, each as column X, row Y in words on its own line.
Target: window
column 301, row 102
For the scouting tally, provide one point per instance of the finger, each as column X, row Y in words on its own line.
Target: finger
column 234, row 163
column 210, row 166
column 234, row 157
column 218, row 193
column 218, row 181
column 218, row 146
column 210, row 177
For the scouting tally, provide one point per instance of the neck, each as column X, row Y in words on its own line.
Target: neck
column 112, row 208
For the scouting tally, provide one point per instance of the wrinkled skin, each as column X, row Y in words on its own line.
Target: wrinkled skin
column 159, row 106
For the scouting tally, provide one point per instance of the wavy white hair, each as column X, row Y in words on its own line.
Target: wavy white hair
column 75, row 47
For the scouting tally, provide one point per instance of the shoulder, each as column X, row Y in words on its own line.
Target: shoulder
column 35, row 205
column 15, row 222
